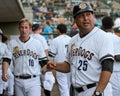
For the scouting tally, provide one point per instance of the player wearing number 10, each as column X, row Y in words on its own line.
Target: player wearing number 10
column 27, row 54
column 89, row 57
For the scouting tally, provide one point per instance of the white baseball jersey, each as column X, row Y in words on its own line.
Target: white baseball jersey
column 41, row 39
column 116, row 44
column 86, row 54
column 115, row 77
column 26, row 56
column 58, row 49
column 4, row 52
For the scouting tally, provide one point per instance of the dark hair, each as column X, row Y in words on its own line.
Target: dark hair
column 62, row 28
column 4, row 38
column 35, row 27
column 107, row 22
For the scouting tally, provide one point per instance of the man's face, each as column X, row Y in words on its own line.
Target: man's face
column 85, row 20
column 24, row 29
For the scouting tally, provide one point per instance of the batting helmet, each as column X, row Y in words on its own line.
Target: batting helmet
column 82, row 7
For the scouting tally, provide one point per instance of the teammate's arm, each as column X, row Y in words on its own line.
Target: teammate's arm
column 5, row 65
column 61, row 67
column 107, row 68
column 117, row 58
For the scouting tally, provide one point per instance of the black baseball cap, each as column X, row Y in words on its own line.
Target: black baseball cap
column 82, row 7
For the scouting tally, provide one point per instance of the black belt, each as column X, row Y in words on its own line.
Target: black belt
column 25, row 76
column 83, row 88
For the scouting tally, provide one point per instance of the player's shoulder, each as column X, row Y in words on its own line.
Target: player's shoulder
column 34, row 40
column 60, row 37
column 38, row 36
column 74, row 38
column 98, row 33
column 1, row 43
column 13, row 40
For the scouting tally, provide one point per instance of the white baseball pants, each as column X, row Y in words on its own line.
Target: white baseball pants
column 28, row 87
column 89, row 92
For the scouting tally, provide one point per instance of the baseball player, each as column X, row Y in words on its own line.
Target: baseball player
column 48, row 79
column 90, row 55
column 57, row 50
column 3, row 85
column 26, row 53
column 115, row 78
column 10, row 83
column 108, row 27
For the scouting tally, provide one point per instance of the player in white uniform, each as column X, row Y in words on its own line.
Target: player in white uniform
column 108, row 27
column 10, row 83
column 36, row 28
column 48, row 79
column 58, row 50
column 3, row 50
column 27, row 55
column 90, row 55
column 115, row 77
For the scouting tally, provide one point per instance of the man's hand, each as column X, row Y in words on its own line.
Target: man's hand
column 4, row 77
column 51, row 65
column 48, row 67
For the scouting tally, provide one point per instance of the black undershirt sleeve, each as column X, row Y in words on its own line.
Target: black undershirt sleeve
column 43, row 62
column 107, row 65
column 7, row 60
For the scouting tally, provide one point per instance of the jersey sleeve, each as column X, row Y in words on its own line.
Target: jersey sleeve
column 52, row 48
column 106, row 50
column 40, row 50
column 45, row 45
column 8, row 53
column 42, row 58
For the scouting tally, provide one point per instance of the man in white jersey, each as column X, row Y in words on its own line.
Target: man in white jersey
column 58, row 49
column 108, row 28
column 89, row 57
column 3, row 50
column 36, row 28
column 48, row 79
column 10, row 84
column 115, row 77
column 28, row 55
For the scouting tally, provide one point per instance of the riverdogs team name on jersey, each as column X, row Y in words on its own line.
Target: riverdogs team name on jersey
column 17, row 53
column 81, row 52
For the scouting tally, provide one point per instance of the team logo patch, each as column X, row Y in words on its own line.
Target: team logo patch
column 16, row 49
column 72, row 46
column 82, row 6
